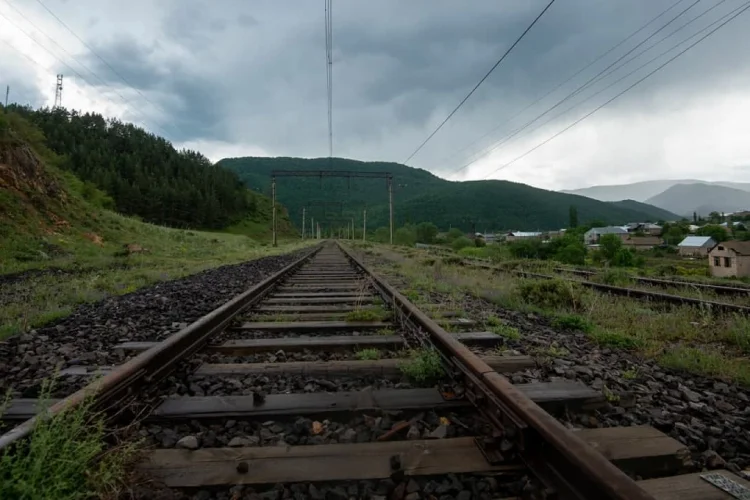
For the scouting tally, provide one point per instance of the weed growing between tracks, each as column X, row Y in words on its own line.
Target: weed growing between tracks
column 67, row 458
column 368, row 354
column 423, row 366
column 678, row 337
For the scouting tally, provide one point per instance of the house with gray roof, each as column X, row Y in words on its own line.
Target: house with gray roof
column 591, row 237
column 696, row 245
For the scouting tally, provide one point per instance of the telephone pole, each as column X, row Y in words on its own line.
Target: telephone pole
column 58, row 91
column 364, row 224
column 7, row 93
column 303, row 223
column 273, row 208
column 390, row 205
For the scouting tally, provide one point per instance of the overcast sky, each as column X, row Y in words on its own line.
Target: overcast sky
column 237, row 78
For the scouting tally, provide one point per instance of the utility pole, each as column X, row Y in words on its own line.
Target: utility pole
column 312, row 227
column 303, row 223
column 7, row 93
column 390, row 204
column 58, row 91
column 364, row 224
column 273, row 208
column 352, row 237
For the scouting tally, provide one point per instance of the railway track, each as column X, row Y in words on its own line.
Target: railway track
column 296, row 389
column 637, row 293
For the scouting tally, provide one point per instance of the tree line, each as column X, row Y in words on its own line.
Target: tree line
column 143, row 174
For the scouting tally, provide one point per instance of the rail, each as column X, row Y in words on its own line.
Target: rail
column 556, row 456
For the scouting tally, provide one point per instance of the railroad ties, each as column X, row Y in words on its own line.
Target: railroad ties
column 307, row 385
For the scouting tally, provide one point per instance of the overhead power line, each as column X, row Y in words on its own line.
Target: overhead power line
column 79, row 75
column 581, row 70
column 480, row 81
column 525, row 126
column 329, row 71
column 737, row 13
column 578, row 90
column 111, row 68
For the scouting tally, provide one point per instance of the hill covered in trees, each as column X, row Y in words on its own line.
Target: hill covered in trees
column 143, row 174
column 421, row 196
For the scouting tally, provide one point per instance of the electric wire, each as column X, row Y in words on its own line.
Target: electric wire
column 450, row 115
column 742, row 8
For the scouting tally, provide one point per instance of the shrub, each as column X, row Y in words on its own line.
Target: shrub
column 573, row 322
column 479, row 242
column 614, row 277
column 552, row 294
column 575, row 253
column 624, row 257
column 423, row 366
column 461, row 242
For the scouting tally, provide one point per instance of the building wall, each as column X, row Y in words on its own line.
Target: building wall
column 693, row 250
column 739, row 264
column 636, row 246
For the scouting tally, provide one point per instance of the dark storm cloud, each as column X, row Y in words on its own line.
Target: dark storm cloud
column 254, row 73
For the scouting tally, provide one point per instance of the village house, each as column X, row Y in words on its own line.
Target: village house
column 695, row 245
column 591, row 237
column 730, row 258
column 646, row 228
column 641, row 242
column 522, row 235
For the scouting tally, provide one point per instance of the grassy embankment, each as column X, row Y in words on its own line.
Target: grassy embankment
column 678, row 337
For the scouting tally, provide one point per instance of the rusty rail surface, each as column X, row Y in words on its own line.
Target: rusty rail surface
column 149, row 367
column 555, row 455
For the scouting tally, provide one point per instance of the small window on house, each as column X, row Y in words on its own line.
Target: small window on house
column 721, row 248
column 727, row 262
column 717, row 261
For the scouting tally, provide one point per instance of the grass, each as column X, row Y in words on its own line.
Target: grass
column 506, row 331
column 385, row 331
column 67, row 458
column 93, row 272
column 367, row 314
column 679, row 337
column 368, row 354
column 573, row 322
column 423, row 366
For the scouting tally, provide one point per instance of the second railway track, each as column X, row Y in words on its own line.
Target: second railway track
column 296, row 389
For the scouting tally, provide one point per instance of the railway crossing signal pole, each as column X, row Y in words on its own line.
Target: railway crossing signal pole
column 273, row 208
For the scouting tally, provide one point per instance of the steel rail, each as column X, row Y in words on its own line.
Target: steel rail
column 560, row 459
column 122, row 383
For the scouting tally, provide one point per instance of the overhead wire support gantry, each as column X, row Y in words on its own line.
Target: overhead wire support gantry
column 347, row 174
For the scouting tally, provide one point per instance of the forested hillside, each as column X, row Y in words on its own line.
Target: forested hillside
column 143, row 173
column 421, row 196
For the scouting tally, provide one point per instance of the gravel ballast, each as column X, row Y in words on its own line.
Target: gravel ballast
column 87, row 336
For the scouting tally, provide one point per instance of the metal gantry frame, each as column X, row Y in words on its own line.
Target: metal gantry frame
column 348, row 174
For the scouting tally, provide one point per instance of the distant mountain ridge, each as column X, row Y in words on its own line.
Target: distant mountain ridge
column 701, row 198
column 421, row 196
column 643, row 191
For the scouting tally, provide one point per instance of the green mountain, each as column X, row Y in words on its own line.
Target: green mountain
column 421, row 196
column 143, row 174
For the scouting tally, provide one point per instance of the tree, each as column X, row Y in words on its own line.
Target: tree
column 426, row 232
column 715, row 217
column 454, row 233
column 461, row 242
column 382, row 235
column 624, row 257
column 609, row 244
column 674, row 234
column 572, row 216
column 718, row 233
column 695, row 217
column 405, row 236
column 575, row 253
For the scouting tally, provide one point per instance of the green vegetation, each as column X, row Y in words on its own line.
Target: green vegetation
column 573, row 322
column 507, row 331
column 141, row 173
column 679, row 337
column 423, row 196
column 367, row 314
column 49, row 219
column 67, row 458
column 423, row 366
column 568, row 249
column 368, row 354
